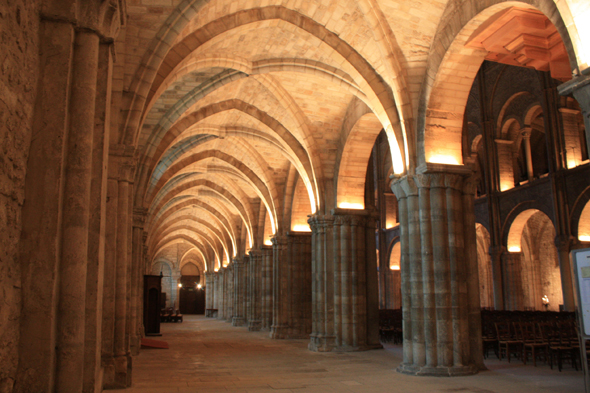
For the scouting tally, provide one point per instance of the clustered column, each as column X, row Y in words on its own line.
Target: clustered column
column 209, row 292
column 266, row 287
column 238, row 290
column 299, row 285
column 254, row 290
column 280, row 305
column 440, row 294
column 345, row 294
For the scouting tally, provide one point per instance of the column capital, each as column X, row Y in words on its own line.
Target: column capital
column 139, row 217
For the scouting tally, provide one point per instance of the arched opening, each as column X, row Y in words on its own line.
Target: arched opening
column 533, row 273
column 393, row 284
column 484, row 262
column 191, row 296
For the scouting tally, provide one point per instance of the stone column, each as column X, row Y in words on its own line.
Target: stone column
column 221, row 293
column 230, row 293
column 512, row 272
column 299, row 284
column 526, row 139
column 563, row 245
column 345, row 293
column 97, row 224
column 75, row 217
column 254, row 290
column 108, row 311
column 238, row 318
column 322, row 338
column 139, row 216
column 579, row 87
column 122, row 356
column 209, row 290
column 216, row 291
column 278, row 329
column 442, row 327
column 496, row 261
column 266, row 287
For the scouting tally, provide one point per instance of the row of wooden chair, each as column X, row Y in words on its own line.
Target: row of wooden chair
column 554, row 342
column 170, row 315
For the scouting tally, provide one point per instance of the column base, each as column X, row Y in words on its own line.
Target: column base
column 108, row 375
column 135, row 345
column 117, row 374
column 321, row 343
column 278, row 332
column 426, row 371
column 254, row 326
column 229, row 320
column 238, row 321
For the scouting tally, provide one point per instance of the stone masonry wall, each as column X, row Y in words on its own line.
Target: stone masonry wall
column 19, row 24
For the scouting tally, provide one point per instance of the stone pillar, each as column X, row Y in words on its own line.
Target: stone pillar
column 526, row 140
column 563, row 245
column 254, row 290
column 139, row 216
column 238, row 318
column 229, row 278
column 345, row 293
column 442, row 326
column 97, row 225
column 221, row 293
column 278, row 329
column 496, row 261
column 122, row 358
column 108, row 311
column 266, row 286
column 216, row 291
column 299, row 284
column 209, row 291
column 579, row 87
column 322, row 338
column 512, row 272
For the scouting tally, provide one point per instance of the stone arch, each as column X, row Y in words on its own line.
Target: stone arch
column 387, row 111
column 199, row 257
column 444, row 94
column 395, row 256
column 512, row 216
column 191, row 269
column 267, row 192
column 300, row 208
column 244, row 209
column 484, row 261
column 221, row 235
column 182, row 237
column 357, row 146
column 580, row 217
column 212, row 211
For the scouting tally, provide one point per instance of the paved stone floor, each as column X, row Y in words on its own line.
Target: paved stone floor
column 207, row 355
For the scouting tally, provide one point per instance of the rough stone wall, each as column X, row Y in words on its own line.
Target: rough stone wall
column 19, row 24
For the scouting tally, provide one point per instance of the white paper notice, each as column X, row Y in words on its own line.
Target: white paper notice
column 582, row 259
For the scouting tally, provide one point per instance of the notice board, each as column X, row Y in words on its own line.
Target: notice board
column 581, row 260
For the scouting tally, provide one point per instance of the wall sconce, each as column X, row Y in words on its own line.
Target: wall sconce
column 179, row 285
column 199, row 286
column 545, row 301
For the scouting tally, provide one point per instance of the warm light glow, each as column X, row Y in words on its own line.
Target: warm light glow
column 514, row 249
column 389, row 225
column 396, row 154
column 301, row 228
column 216, row 269
column 584, row 238
column 442, row 159
column 571, row 164
column 199, row 286
column 506, row 186
column 268, row 242
column 582, row 22
column 355, row 206
column 395, row 267
column 545, row 300
column 179, row 285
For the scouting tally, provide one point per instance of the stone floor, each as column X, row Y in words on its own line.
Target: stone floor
column 207, row 355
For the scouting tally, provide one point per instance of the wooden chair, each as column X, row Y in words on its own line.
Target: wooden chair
column 506, row 340
column 532, row 342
